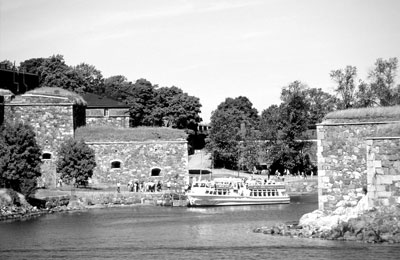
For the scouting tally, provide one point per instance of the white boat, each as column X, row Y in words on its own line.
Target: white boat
column 235, row 191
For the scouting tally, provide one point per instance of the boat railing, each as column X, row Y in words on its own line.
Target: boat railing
column 261, row 186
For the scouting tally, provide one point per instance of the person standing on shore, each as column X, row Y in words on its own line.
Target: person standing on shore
column 118, row 187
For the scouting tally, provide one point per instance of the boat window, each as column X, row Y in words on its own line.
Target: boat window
column 202, row 185
column 251, row 193
column 269, row 192
column 260, row 193
column 264, row 193
column 196, row 185
column 207, row 192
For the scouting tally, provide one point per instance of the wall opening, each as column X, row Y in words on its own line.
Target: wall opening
column 115, row 165
column 46, row 156
column 155, row 172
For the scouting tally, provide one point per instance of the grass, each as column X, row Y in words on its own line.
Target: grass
column 59, row 92
column 111, row 134
column 389, row 130
column 365, row 114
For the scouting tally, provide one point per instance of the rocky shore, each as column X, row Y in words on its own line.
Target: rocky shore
column 13, row 206
column 377, row 225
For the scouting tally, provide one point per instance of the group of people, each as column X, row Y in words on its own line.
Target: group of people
column 144, row 186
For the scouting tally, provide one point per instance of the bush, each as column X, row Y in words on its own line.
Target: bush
column 20, row 158
column 76, row 162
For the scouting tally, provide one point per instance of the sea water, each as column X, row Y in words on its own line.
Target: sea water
column 148, row 232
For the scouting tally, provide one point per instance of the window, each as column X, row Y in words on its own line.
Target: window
column 115, row 165
column 155, row 172
column 46, row 156
column 106, row 112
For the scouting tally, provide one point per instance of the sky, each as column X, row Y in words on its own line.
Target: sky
column 211, row 49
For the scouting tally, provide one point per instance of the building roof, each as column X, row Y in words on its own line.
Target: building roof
column 137, row 134
column 96, row 101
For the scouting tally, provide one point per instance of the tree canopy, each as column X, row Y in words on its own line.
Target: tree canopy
column 76, row 161
column 20, row 158
column 234, row 121
column 379, row 89
column 283, row 127
column 149, row 104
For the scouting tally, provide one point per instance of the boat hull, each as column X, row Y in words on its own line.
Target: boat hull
column 205, row 200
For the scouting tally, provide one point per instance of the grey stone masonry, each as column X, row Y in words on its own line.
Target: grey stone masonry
column 342, row 161
column 125, row 161
column 383, row 167
column 53, row 119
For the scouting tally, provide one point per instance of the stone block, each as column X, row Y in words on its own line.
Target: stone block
column 384, row 179
column 377, row 164
column 396, row 178
column 393, row 172
column 384, row 194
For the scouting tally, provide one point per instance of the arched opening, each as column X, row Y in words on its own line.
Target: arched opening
column 115, row 165
column 155, row 172
column 46, row 156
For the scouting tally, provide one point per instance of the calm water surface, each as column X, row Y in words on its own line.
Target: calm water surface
column 175, row 233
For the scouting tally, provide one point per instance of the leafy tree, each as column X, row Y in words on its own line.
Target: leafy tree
column 175, row 108
column 365, row 95
column 320, row 103
column 89, row 78
column 249, row 149
column 345, row 78
column 117, row 87
column 31, row 65
column 283, row 127
column 229, row 124
column 382, row 79
column 20, row 158
column 7, row 64
column 141, row 102
column 76, row 161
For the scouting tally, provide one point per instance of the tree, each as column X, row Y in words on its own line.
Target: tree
column 89, row 78
column 320, row 103
column 31, row 65
column 228, row 128
column 365, row 95
column 7, row 64
column 76, row 161
column 382, row 80
column 175, row 108
column 141, row 102
column 20, row 158
column 117, row 87
column 283, row 127
column 345, row 78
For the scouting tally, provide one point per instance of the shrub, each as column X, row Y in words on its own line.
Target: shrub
column 76, row 162
column 20, row 158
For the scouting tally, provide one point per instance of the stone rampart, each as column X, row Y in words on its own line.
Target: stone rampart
column 383, row 167
column 342, row 161
column 143, row 161
column 53, row 120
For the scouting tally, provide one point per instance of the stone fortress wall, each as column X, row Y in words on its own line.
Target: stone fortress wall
column 383, row 170
column 150, row 160
column 55, row 115
column 353, row 154
column 53, row 119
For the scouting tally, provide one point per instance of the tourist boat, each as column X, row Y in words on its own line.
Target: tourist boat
column 235, row 191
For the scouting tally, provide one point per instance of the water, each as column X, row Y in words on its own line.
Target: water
column 175, row 233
